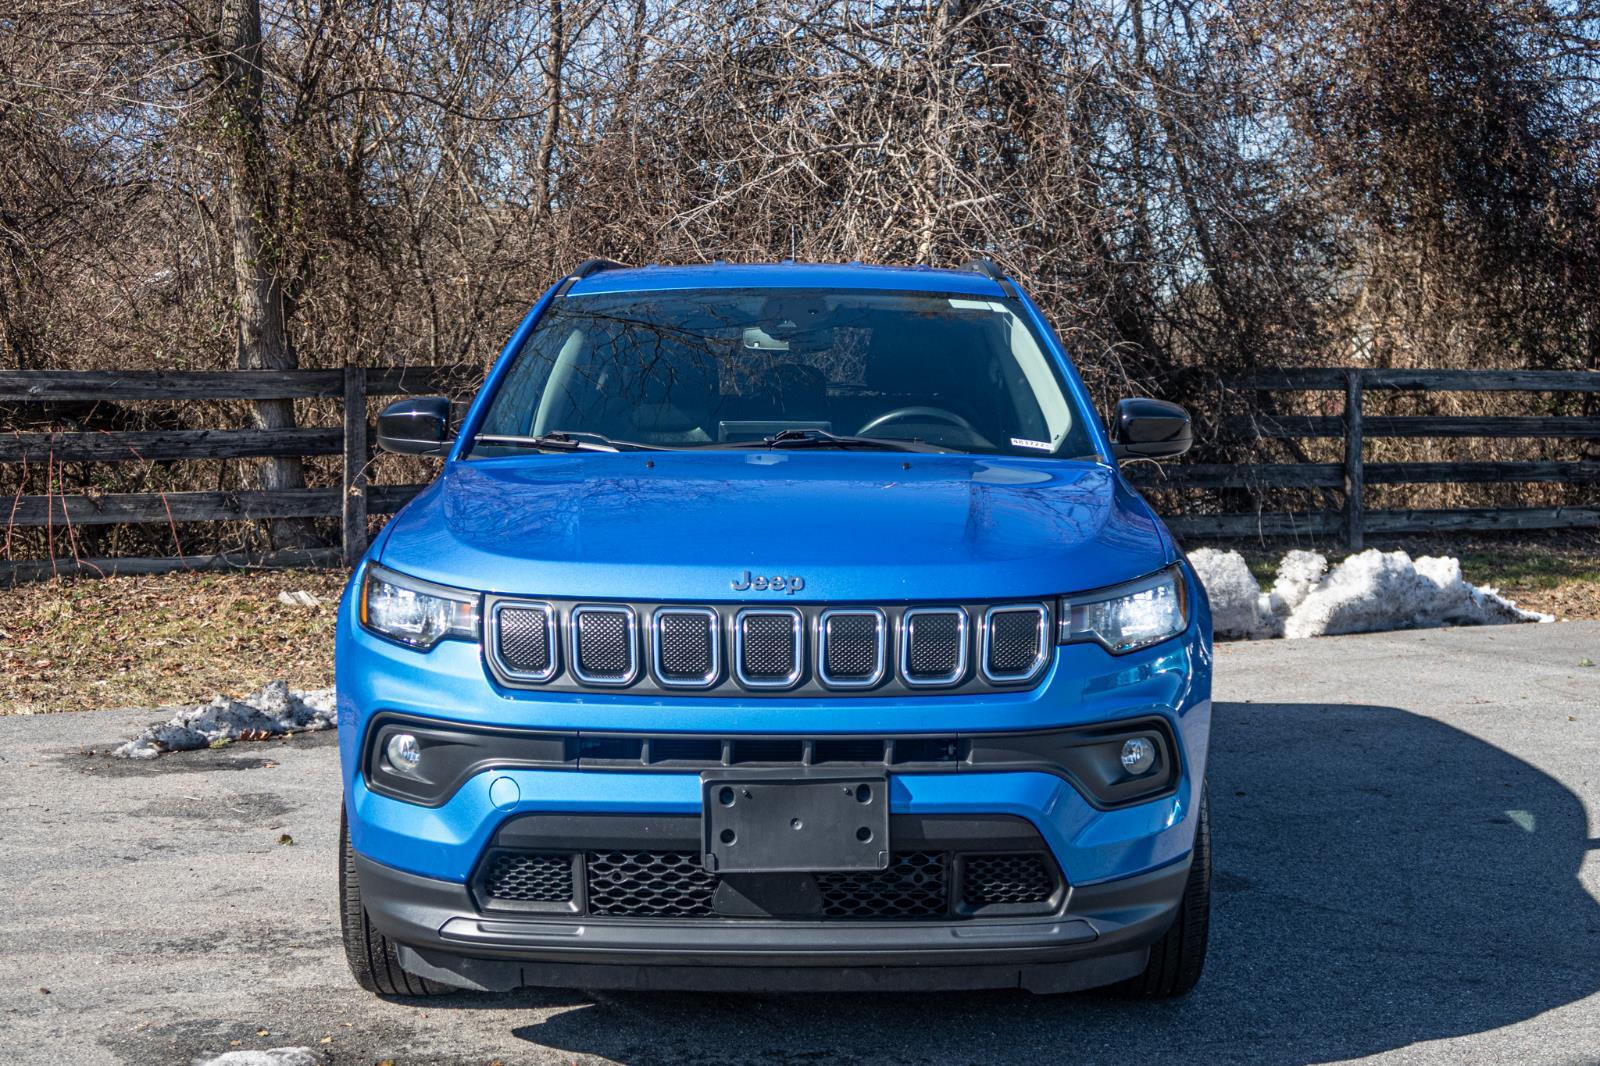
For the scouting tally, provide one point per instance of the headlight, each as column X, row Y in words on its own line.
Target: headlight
column 1128, row 617
column 415, row 612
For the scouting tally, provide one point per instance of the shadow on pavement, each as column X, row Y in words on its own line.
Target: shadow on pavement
column 1381, row 879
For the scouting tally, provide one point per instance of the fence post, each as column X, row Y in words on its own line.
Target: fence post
column 1354, row 474
column 355, row 464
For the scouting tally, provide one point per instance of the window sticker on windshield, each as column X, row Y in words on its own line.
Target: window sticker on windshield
column 1041, row 445
column 975, row 305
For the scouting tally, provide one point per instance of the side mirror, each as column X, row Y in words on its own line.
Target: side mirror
column 417, row 425
column 1151, row 429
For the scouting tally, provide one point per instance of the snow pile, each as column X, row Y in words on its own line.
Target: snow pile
column 1366, row 593
column 278, row 1056
column 273, row 711
column 1235, row 596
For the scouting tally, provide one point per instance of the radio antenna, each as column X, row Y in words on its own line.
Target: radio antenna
column 794, row 240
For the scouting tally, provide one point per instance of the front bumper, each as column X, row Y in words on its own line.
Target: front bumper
column 1100, row 936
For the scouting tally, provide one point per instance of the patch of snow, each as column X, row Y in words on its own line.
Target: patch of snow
column 273, row 711
column 299, row 598
column 1235, row 596
column 278, row 1056
column 1368, row 592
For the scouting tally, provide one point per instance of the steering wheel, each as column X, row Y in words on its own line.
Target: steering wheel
column 900, row 414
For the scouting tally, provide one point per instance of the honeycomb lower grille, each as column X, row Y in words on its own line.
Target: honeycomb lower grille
column 529, row 877
column 649, row 884
column 990, row 879
column 914, row 886
column 626, row 883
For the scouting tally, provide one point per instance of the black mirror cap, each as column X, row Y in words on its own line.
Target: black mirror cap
column 1152, row 429
column 417, row 425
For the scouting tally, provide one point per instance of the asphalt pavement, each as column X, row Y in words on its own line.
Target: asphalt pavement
column 1407, row 868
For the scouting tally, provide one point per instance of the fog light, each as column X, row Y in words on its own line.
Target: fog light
column 404, row 752
column 1138, row 755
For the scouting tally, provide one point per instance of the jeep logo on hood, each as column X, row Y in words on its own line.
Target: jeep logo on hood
column 777, row 583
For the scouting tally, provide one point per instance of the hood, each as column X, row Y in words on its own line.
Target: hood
column 873, row 526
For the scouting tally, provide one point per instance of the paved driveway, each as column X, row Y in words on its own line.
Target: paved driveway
column 1407, row 867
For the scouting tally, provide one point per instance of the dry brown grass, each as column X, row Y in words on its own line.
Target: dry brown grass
column 152, row 641
column 182, row 638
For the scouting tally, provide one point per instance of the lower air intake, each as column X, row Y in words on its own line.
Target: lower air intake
column 649, row 884
column 990, row 879
column 528, row 877
column 914, row 886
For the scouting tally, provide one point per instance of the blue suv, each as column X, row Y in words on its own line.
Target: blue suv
column 781, row 627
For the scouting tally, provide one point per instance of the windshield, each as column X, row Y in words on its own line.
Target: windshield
column 731, row 368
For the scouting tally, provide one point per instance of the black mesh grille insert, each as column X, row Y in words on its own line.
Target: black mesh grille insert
column 852, row 646
column 649, row 884
column 1006, row 879
column 769, row 652
column 604, row 649
column 525, row 639
column 914, row 886
column 1014, row 641
column 528, row 877
column 686, row 638
column 934, row 643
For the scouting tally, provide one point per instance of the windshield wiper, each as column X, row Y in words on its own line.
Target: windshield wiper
column 564, row 441
column 818, row 438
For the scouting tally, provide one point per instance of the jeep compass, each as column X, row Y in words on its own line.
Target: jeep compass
column 782, row 627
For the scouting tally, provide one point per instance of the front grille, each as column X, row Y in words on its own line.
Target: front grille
column 989, row 879
column 778, row 649
column 769, row 647
column 1013, row 642
column 649, row 884
column 686, row 646
column 529, row 877
column 605, row 651
column 914, row 886
column 935, row 649
column 852, row 648
column 527, row 640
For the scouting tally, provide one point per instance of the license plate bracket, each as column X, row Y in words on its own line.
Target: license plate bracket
column 755, row 822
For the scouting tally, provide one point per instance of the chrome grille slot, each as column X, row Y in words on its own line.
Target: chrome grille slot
column 851, row 647
column 686, row 653
column 1014, row 646
column 767, row 647
column 524, row 639
column 605, row 644
column 933, row 646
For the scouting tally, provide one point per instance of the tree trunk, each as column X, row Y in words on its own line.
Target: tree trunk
column 264, row 342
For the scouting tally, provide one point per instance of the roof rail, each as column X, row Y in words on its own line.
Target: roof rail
column 585, row 269
column 990, row 269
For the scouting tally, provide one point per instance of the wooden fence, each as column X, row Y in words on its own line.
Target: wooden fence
column 1353, row 474
column 354, row 500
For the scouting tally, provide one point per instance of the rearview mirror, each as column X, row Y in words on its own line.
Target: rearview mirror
column 417, row 425
column 1151, row 429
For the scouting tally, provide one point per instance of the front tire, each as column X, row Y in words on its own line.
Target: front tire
column 1178, row 957
column 371, row 955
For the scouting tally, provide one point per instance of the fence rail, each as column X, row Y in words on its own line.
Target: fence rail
column 352, row 502
column 1353, row 475
column 355, row 500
